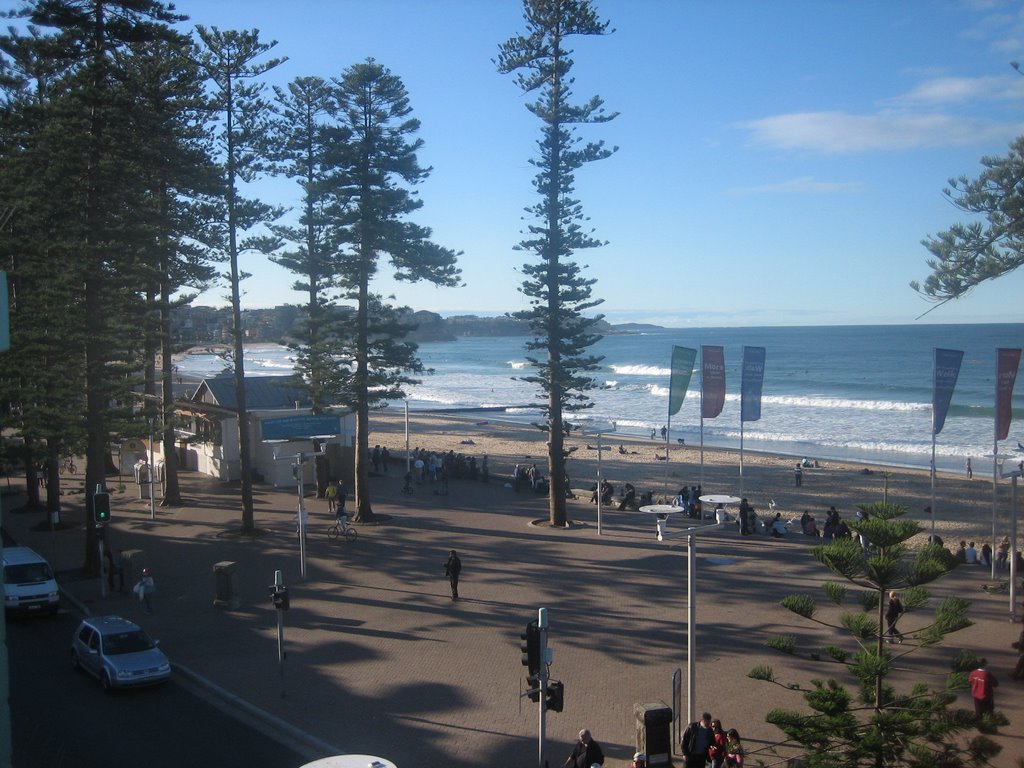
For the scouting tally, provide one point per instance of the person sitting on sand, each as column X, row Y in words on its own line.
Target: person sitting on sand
column 778, row 528
column 971, row 555
column 607, row 491
column 811, row 529
column 622, row 449
column 961, row 553
column 628, row 497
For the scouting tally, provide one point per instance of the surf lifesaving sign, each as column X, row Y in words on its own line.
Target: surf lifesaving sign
column 293, row 427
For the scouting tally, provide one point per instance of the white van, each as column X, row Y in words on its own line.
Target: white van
column 29, row 586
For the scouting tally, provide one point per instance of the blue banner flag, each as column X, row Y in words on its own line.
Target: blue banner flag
column 1007, row 363
column 683, row 359
column 947, row 370
column 752, row 383
column 712, row 381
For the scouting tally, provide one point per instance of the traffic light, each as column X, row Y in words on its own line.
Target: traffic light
column 554, row 696
column 101, row 507
column 533, row 681
column 279, row 594
column 531, row 648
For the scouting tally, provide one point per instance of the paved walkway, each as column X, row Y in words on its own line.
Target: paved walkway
column 381, row 661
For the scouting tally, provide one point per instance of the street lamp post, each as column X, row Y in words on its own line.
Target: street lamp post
column 601, row 428
column 691, row 609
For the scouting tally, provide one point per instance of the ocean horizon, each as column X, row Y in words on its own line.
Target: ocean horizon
column 853, row 393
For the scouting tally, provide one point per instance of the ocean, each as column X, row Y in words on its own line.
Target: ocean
column 860, row 393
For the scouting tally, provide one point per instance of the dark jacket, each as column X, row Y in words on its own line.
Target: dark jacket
column 584, row 756
column 453, row 566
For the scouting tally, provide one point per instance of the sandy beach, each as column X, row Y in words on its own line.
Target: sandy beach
column 963, row 505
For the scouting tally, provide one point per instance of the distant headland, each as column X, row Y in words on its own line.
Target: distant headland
column 200, row 325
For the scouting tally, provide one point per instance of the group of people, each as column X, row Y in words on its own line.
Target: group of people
column 706, row 743
column 530, row 476
column 438, row 466
column 688, row 498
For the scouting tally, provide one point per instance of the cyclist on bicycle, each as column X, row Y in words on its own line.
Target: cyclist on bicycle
column 340, row 513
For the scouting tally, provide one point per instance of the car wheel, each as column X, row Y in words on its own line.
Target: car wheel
column 76, row 663
column 105, row 682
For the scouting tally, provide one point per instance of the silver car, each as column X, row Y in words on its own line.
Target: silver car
column 118, row 653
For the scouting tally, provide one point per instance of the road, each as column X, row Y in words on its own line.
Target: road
column 63, row 718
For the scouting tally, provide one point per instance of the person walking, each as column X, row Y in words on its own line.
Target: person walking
column 331, row 494
column 115, row 568
column 452, row 569
column 341, row 492
column 144, row 589
column 744, row 518
column 983, row 685
column 892, row 615
column 970, row 470
column 585, row 753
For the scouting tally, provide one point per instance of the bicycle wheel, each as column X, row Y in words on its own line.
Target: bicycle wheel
column 351, row 534
column 332, row 532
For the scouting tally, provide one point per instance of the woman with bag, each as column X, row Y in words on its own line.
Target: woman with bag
column 733, row 749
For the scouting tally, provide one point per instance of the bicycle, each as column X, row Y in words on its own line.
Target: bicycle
column 68, row 465
column 341, row 528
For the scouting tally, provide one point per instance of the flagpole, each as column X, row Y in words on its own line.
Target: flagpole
column 741, row 454
column 933, row 473
column 995, row 468
column 668, row 436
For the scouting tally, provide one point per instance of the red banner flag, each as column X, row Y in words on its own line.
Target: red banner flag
column 1007, row 362
column 712, row 381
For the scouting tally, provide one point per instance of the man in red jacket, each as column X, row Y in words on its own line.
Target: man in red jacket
column 983, row 684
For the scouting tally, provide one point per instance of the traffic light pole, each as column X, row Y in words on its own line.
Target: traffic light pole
column 279, row 595
column 537, row 657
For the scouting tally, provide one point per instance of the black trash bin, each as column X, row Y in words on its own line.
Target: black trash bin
column 226, row 579
column 654, row 731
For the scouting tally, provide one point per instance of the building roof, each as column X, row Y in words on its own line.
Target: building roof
column 261, row 393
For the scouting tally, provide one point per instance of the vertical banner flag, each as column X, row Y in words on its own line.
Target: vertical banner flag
column 683, row 359
column 1007, row 362
column 752, row 383
column 947, row 371
column 712, row 381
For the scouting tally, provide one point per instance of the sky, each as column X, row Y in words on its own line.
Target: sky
column 779, row 161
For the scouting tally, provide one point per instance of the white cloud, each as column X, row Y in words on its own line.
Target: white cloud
column 958, row 90
column 887, row 131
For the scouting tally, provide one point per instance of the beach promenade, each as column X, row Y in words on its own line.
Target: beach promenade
column 381, row 661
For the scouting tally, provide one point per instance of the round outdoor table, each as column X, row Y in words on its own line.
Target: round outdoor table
column 662, row 511
column 351, row 761
column 719, row 499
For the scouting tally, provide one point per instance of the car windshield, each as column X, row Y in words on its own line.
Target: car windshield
column 27, row 573
column 132, row 641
